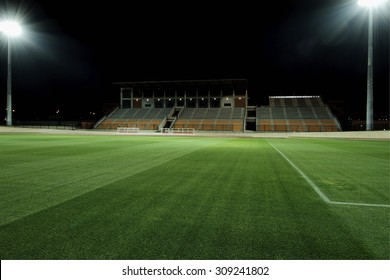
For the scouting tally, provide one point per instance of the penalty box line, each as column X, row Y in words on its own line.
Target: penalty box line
column 317, row 189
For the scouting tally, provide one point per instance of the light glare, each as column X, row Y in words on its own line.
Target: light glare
column 10, row 28
column 370, row 3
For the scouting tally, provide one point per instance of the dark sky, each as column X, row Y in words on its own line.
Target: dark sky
column 72, row 51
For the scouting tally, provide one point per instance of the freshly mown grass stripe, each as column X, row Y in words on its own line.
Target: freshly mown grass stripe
column 308, row 180
column 237, row 199
column 349, row 171
column 40, row 171
column 319, row 192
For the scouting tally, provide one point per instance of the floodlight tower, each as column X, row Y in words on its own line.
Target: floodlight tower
column 370, row 4
column 10, row 29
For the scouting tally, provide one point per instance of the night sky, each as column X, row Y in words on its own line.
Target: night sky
column 73, row 51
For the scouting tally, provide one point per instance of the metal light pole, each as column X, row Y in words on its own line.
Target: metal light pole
column 370, row 4
column 10, row 29
column 9, row 86
column 370, row 88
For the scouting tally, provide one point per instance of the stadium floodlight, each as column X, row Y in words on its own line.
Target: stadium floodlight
column 370, row 4
column 11, row 29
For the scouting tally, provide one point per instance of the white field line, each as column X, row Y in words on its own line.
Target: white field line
column 360, row 204
column 317, row 189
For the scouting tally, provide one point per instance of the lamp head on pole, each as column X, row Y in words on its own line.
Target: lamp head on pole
column 10, row 28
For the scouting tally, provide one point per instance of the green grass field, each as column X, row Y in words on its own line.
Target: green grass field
column 124, row 197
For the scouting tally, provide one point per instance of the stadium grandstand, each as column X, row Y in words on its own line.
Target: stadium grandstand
column 296, row 113
column 213, row 105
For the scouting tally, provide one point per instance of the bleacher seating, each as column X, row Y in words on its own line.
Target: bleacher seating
column 295, row 114
column 144, row 119
column 209, row 119
column 214, row 119
column 284, row 114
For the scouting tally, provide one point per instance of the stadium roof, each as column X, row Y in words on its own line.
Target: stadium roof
column 221, row 83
